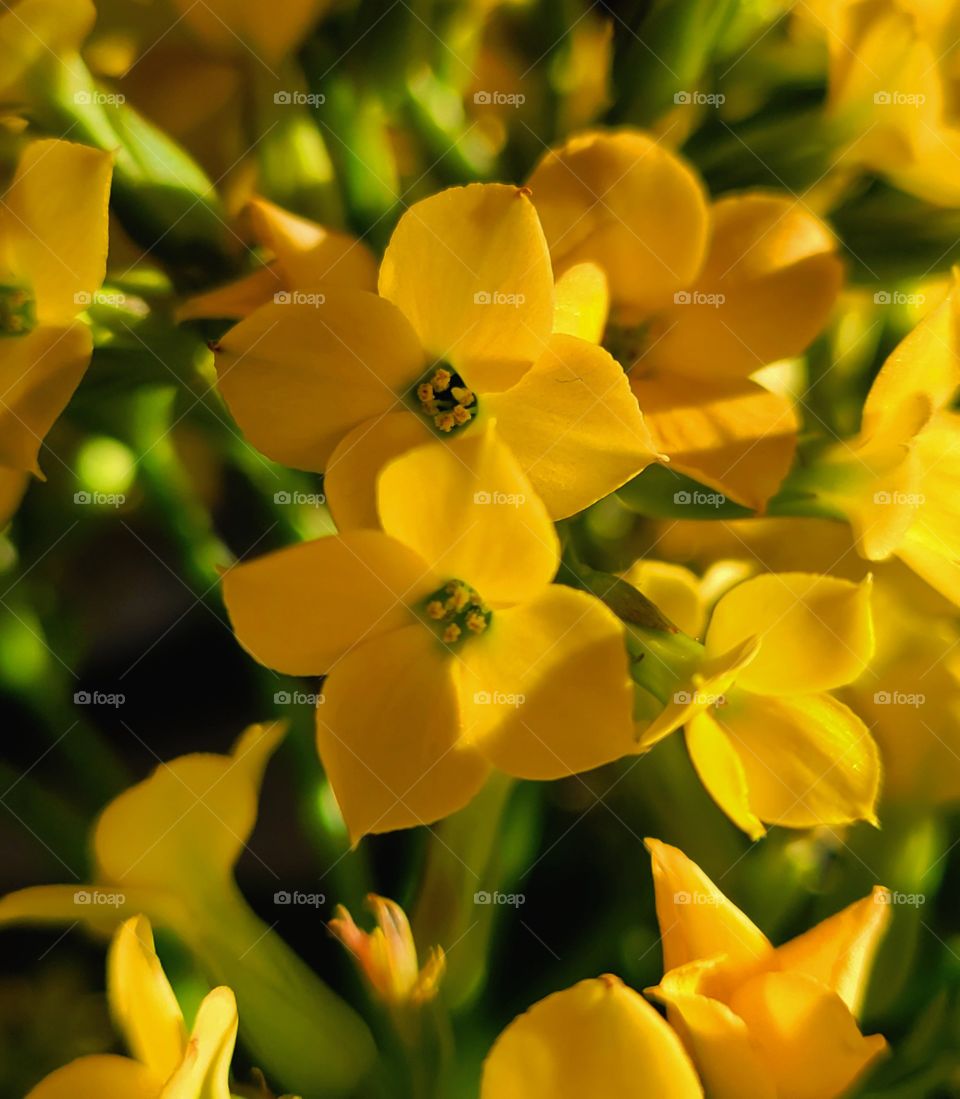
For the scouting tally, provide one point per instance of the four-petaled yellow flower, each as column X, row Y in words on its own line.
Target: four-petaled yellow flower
column 166, row 1062
column 466, row 307
column 701, row 297
column 447, row 649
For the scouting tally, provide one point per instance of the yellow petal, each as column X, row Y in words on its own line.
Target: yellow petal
column 298, row 377
column 38, row 375
column 546, row 688
column 674, row 589
column 300, row 609
column 733, row 435
column 388, row 733
column 721, row 771
column 574, row 424
column 101, row 1076
column 205, row 1071
column 101, row 907
column 248, row 26
column 816, row 631
column 808, row 759
column 805, row 1034
column 766, row 290
column 55, row 216
column 598, row 1038
column 469, row 268
column 350, row 480
column 839, row 951
column 35, row 31
column 626, row 203
column 696, row 920
column 468, row 510
column 581, row 300
column 142, row 1002
column 235, row 300
column 309, row 255
column 183, row 827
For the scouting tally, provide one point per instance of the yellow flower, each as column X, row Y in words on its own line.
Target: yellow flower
column 305, row 257
column 417, row 708
column 53, row 250
column 466, row 289
column 388, row 955
column 896, row 481
column 36, row 35
column 761, row 1022
column 596, row 1039
column 701, row 295
column 166, row 847
column 166, row 1063
column 767, row 739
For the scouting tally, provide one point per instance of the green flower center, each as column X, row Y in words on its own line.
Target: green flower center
column 456, row 610
column 18, row 313
column 445, row 399
column 626, row 343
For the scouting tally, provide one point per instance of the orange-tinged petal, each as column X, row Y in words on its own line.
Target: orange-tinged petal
column 388, row 733
column 38, row 375
column 626, row 203
column 721, row 771
column 298, row 377
column 350, row 480
column 141, row 1000
column 469, row 269
column 816, row 632
column 674, row 589
column 183, row 827
column 205, row 1070
column 235, row 300
column 839, row 951
column 100, row 1076
column 805, row 1034
column 696, row 920
column 808, row 759
column 766, row 290
column 309, row 255
column 300, row 609
column 574, row 424
column 731, row 434
column 546, row 690
column 55, row 217
column 581, row 301
column 469, row 511
column 598, row 1038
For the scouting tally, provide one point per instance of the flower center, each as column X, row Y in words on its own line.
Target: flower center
column 626, row 342
column 18, row 314
column 456, row 609
column 443, row 397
